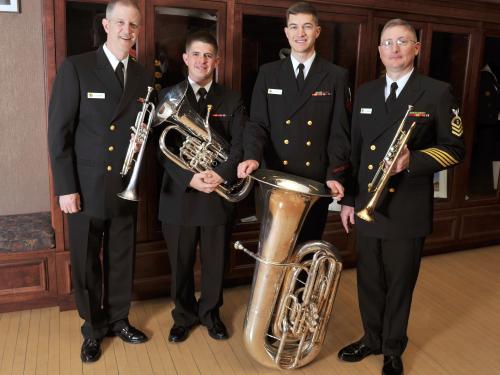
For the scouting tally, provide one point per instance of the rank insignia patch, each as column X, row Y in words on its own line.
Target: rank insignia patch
column 456, row 124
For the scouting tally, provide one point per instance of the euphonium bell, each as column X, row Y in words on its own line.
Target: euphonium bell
column 293, row 290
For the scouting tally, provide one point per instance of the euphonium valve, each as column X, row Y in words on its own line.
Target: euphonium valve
column 293, row 290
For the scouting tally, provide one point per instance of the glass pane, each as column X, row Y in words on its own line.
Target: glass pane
column 263, row 41
column 338, row 43
column 84, row 31
column 449, row 59
column 171, row 27
column 485, row 156
column 448, row 63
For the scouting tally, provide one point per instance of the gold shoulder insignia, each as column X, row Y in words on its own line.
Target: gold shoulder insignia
column 456, row 124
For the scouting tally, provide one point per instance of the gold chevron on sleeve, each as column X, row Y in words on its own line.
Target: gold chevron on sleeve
column 442, row 157
column 457, row 130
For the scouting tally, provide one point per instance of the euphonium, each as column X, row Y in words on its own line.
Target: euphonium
column 293, row 290
column 376, row 186
column 139, row 137
column 201, row 149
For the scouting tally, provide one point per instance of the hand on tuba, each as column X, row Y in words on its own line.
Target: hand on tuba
column 245, row 168
column 336, row 189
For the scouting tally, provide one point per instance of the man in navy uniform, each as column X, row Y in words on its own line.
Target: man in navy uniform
column 298, row 121
column 190, row 211
column 389, row 249
column 93, row 105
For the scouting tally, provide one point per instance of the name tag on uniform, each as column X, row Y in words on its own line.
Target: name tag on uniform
column 275, row 91
column 366, row 111
column 96, row 95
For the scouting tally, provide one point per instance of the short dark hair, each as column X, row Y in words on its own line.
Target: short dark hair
column 399, row 22
column 112, row 3
column 202, row 36
column 302, row 8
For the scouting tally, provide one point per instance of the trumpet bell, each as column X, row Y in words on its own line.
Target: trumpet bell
column 129, row 194
column 365, row 215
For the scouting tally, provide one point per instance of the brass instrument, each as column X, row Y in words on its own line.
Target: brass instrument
column 139, row 137
column 293, row 290
column 202, row 149
column 379, row 181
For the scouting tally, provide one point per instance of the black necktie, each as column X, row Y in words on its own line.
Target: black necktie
column 391, row 99
column 119, row 74
column 300, row 77
column 202, row 101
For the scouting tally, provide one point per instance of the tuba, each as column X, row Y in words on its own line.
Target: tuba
column 376, row 186
column 139, row 137
column 201, row 149
column 293, row 290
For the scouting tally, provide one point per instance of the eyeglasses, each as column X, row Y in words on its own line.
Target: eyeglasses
column 399, row 42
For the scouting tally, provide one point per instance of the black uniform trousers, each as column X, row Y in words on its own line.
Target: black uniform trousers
column 181, row 243
column 387, row 274
column 102, row 303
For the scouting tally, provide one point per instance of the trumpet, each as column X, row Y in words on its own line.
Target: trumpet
column 379, row 181
column 139, row 137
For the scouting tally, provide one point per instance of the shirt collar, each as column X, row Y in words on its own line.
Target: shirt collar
column 113, row 60
column 307, row 64
column 401, row 83
column 196, row 87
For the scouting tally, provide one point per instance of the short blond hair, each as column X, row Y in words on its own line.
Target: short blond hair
column 399, row 22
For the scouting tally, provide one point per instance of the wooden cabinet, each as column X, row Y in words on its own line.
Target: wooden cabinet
column 459, row 39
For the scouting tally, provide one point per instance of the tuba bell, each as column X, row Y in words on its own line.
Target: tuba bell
column 293, row 290
column 202, row 149
column 379, row 181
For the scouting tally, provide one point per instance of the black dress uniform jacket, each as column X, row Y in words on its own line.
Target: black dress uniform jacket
column 302, row 133
column 89, row 130
column 405, row 208
column 182, row 205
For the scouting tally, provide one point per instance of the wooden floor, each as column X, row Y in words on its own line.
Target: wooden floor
column 454, row 329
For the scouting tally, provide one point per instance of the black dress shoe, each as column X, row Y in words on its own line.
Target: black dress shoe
column 91, row 350
column 178, row 333
column 355, row 352
column 218, row 331
column 392, row 365
column 130, row 334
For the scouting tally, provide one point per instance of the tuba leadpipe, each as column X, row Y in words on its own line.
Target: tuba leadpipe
column 139, row 137
column 202, row 148
column 293, row 289
column 381, row 177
